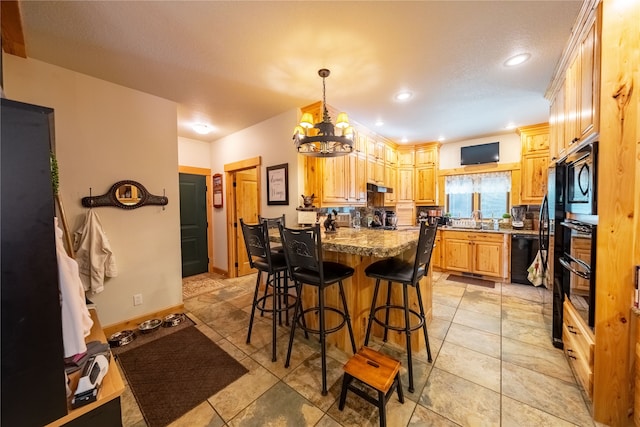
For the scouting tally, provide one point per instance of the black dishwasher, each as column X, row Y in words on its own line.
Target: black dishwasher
column 524, row 248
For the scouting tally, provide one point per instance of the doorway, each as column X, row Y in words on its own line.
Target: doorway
column 243, row 194
column 194, row 227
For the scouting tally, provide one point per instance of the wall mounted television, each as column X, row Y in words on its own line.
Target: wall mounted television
column 478, row 154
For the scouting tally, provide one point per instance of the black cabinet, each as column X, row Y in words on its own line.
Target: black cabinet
column 33, row 382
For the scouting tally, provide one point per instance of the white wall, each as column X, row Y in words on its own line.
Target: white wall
column 270, row 140
column 194, row 153
column 510, row 148
column 106, row 133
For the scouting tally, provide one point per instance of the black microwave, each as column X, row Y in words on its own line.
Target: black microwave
column 581, row 188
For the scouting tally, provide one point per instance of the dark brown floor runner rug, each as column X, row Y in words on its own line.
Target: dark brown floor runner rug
column 472, row 281
column 175, row 373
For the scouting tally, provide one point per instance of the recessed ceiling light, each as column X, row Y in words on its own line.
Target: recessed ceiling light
column 441, row 139
column 403, row 96
column 404, row 140
column 517, row 59
column 510, row 126
column 379, row 122
column 202, row 128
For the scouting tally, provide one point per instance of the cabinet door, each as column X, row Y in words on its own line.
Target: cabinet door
column 457, row 255
column 487, row 258
column 436, row 255
column 557, row 145
column 379, row 172
column 406, row 157
column 361, row 179
column 571, row 103
column 391, row 180
column 334, row 179
column 426, row 156
column 405, row 185
column 589, row 83
column 390, row 156
column 534, row 177
column 425, row 185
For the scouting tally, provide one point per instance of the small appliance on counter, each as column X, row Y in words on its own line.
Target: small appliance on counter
column 431, row 214
column 518, row 214
column 379, row 218
column 391, row 220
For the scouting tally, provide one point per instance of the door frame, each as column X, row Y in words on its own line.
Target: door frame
column 229, row 171
column 207, row 172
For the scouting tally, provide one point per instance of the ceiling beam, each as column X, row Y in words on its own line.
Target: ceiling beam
column 12, row 35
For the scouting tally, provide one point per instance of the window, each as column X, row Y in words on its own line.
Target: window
column 486, row 192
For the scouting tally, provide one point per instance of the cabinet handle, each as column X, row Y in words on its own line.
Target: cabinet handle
column 572, row 329
column 570, row 354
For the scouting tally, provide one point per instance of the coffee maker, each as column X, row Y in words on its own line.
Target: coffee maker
column 517, row 216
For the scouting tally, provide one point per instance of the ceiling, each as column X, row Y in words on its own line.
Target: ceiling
column 236, row 63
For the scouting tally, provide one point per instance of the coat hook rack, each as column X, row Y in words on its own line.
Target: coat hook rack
column 125, row 194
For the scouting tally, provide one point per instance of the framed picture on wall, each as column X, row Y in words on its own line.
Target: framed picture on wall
column 217, row 190
column 278, row 184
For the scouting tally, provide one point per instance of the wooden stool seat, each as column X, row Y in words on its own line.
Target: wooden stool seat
column 376, row 370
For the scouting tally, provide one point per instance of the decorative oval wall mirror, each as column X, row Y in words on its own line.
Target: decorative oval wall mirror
column 125, row 194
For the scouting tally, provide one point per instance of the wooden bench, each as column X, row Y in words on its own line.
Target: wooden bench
column 376, row 370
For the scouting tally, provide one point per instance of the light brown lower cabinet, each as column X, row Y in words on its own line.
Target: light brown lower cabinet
column 485, row 254
column 579, row 346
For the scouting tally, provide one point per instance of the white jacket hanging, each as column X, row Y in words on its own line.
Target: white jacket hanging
column 93, row 254
column 76, row 319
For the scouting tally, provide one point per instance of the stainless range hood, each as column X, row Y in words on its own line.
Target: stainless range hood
column 373, row 188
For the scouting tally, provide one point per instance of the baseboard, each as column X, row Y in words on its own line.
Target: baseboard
column 132, row 324
column 225, row 273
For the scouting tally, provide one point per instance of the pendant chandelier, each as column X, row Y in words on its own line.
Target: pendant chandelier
column 322, row 140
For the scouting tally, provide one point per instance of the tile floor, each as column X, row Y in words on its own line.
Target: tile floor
column 493, row 365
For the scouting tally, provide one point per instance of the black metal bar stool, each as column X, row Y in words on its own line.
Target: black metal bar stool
column 396, row 270
column 303, row 253
column 262, row 258
column 272, row 226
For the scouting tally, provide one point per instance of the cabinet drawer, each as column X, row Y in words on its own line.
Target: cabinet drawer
column 579, row 345
column 470, row 235
column 579, row 360
column 581, row 334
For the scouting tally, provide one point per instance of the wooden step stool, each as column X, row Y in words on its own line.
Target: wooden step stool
column 376, row 370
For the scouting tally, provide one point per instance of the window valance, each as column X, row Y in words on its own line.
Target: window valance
column 491, row 182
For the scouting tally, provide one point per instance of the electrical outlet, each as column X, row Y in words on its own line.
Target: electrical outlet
column 137, row 299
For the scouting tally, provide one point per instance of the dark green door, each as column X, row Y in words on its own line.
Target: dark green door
column 193, row 224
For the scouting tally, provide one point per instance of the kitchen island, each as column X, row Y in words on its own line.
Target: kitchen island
column 359, row 249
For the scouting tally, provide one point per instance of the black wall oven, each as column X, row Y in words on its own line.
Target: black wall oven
column 578, row 261
column 572, row 208
column 581, row 183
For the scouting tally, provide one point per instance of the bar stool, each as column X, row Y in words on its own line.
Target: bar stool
column 395, row 270
column 272, row 224
column 303, row 254
column 262, row 258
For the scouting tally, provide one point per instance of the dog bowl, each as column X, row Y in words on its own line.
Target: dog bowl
column 173, row 320
column 121, row 338
column 149, row 325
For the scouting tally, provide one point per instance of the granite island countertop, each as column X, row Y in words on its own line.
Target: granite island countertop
column 366, row 242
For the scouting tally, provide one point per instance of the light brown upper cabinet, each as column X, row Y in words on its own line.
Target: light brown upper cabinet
column 534, row 163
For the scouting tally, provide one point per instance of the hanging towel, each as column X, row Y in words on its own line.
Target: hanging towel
column 536, row 271
column 93, row 253
column 76, row 319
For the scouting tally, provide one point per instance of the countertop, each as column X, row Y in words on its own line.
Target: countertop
column 502, row 230
column 384, row 243
column 366, row 242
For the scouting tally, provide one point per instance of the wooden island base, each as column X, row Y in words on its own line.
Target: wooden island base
column 359, row 249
